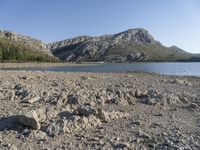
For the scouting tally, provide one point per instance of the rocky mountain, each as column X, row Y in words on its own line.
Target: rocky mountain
column 16, row 47
column 128, row 46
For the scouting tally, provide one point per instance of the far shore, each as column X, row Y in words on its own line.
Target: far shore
column 47, row 64
column 41, row 64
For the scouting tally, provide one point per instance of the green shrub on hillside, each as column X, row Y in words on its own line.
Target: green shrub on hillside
column 10, row 51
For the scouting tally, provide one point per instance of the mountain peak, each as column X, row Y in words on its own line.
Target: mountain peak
column 136, row 30
column 130, row 45
column 138, row 36
column 174, row 47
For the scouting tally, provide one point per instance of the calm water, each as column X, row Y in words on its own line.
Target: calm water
column 189, row 69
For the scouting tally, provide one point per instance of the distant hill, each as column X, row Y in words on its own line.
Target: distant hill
column 178, row 49
column 194, row 57
column 128, row 46
column 19, row 48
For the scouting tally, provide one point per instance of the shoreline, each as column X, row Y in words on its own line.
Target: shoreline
column 41, row 67
column 46, row 64
column 99, row 73
column 35, row 64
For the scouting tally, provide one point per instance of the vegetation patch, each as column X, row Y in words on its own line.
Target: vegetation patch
column 14, row 52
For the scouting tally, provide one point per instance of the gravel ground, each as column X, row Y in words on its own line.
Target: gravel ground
column 56, row 111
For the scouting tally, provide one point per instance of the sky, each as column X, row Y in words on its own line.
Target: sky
column 172, row 22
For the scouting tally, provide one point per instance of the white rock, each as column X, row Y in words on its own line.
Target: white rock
column 31, row 100
column 194, row 105
column 57, row 128
column 39, row 135
column 103, row 115
column 29, row 119
column 41, row 114
column 13, row 147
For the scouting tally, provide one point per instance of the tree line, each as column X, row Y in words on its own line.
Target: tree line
column 13, row 52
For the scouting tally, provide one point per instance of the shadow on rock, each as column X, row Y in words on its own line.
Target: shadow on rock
column 8, row 123
column 65, row 114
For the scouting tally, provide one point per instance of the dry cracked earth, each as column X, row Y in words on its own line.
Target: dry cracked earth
column 136, row 111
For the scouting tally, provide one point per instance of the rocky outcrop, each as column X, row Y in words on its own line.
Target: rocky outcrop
column 67, row 42
column 29, row 119
column 86, row 48
column 83, row 118
column 128, row 46
column 25, row 41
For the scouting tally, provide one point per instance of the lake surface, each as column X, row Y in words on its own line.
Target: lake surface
column 183, row 69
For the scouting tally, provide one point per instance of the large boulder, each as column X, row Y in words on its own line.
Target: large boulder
column 29, row 119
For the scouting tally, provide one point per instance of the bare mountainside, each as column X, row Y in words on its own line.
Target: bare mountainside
column 128, row 46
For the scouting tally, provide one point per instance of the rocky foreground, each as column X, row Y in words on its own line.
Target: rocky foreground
column 47, row 110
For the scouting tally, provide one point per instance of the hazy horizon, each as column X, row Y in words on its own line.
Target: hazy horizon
column 172, row 22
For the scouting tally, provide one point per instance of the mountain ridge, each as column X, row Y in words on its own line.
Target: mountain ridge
column 131, row 45
column 179, row 49
column 127, row 46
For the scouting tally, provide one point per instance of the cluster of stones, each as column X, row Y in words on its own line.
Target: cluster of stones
column 82, row 104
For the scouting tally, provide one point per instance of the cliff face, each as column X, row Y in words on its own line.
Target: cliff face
column 60, row 44
column 27, row 41
column 128, row 46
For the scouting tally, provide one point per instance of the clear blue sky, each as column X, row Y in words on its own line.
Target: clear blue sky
column 173, row 22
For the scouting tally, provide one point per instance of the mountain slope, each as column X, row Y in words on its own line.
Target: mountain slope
column 192, row 57
column 14, row 47
column 178, row 49
column 128, row 46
